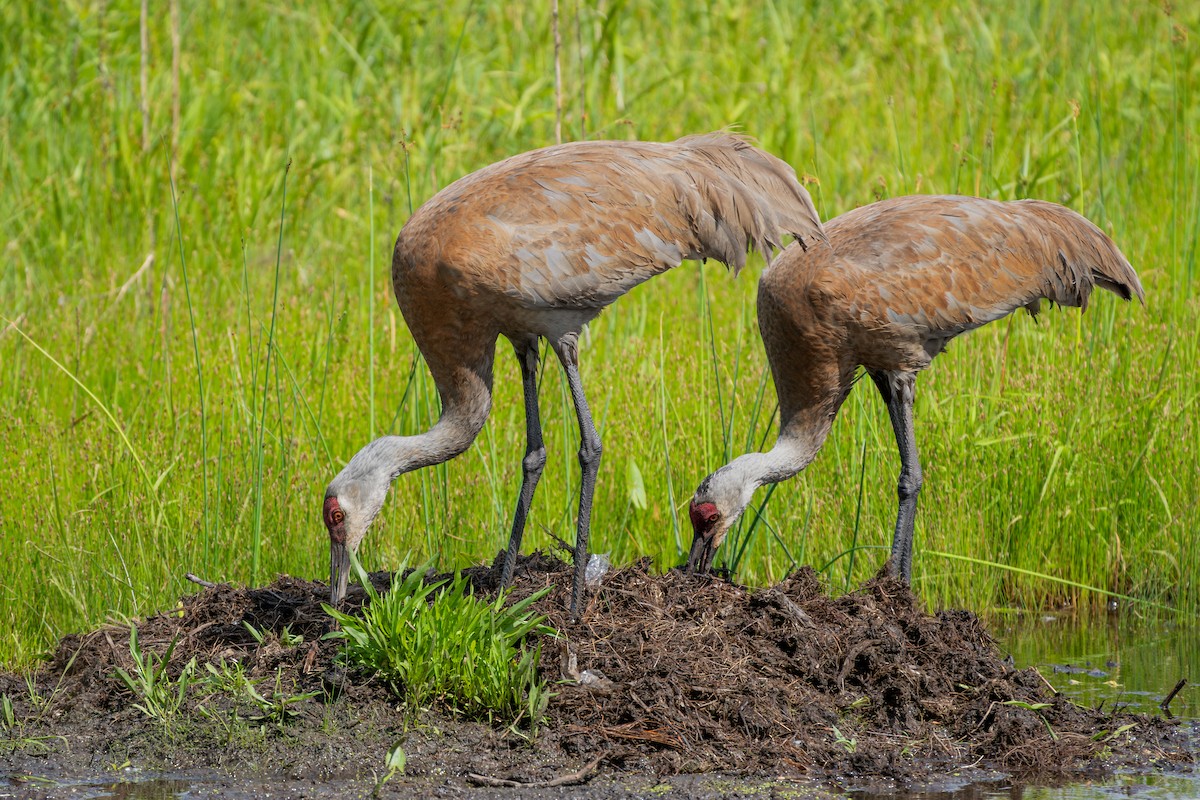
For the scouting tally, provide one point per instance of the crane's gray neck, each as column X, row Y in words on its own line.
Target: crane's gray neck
column 732, row 486
column 787, row 458
column 362, row 485
column 389, row 457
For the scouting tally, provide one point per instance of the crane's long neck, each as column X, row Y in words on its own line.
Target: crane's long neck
column 395, row 455
column 731, row 487
column 363, row 484
column 791, row 454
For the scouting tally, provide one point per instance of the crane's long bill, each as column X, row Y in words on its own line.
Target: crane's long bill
column 705, row 537
column 703, row 550
column 339, row 571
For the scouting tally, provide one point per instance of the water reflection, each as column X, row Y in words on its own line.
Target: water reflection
column 1111, row 659
column 29, row 786
column 158, row 789
column 1144, row 787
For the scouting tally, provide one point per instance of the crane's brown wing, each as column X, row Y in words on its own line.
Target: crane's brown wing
column 575, row 226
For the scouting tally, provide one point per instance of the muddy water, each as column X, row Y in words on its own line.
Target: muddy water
column 1144, row 787
column 187, row 787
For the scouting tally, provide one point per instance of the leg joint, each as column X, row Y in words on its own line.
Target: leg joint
column 534, row 460
column 589, row 451
column 910, row 483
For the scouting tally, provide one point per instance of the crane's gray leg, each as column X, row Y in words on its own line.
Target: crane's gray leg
column 535, row 453
column 898, row 390
column 589, row 464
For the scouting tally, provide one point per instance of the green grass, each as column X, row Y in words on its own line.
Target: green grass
column 160, row 697
column 192, row 420
column 437, row 644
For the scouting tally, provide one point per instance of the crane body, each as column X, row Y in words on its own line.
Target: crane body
column 535, row 247
column 901, row 279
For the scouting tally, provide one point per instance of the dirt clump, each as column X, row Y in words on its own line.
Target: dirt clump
column 664, row 674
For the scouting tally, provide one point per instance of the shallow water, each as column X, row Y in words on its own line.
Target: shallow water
column 188, row 787
column 1144, row 787
column 1114, row 659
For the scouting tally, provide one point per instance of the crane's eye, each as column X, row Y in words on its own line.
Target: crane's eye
column 337, row 516
column 713, row 517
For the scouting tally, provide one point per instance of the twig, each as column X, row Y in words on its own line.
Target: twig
column 790, row 609
column 1166, row 703
column 632, row 733
column 12, row 325
column 558, row 101
column 570, row 779
column 1049, row 685
column 200, row 581
column 560, row 542
column 149, row 262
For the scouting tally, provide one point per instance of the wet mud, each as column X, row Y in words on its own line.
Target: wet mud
column 663, row 675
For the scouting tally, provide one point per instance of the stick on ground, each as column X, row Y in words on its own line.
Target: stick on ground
column 570, row 779
column 200, row 581
column 1165, row 705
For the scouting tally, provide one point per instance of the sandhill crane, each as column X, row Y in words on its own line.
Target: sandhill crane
column 536, row 246
column 904, row 277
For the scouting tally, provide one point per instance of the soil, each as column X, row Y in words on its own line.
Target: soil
column 663, row 677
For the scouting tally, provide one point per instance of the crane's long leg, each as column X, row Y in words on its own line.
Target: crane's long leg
column 589, row 464
column 535, row 453
column 898, row 390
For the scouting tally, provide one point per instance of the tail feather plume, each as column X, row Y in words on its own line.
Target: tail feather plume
column 938, row 266
column 740, row 197
column 1079, row 256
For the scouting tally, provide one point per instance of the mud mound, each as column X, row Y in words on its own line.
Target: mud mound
column 671, row 673
column 220, row 622
column 702, row 674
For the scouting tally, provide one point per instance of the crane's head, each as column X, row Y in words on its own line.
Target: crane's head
column 716, row 506
column 339, row 551
column 351, row 503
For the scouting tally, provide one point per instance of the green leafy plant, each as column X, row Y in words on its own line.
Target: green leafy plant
column 1107, row 735
column 227, row 683
column 438, row 643
column 13, row 735
column 289, row 639
column 848, row 744
column 395, row 762
column 229, row 679
column 276, row 707
column 254, row 632
column 160, row 697
column 286, row 637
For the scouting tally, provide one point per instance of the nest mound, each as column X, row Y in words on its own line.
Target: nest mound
column 669, row 674
column 707, row 675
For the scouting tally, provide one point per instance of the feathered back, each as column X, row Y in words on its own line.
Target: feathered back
column 577, row 225
column 928, row 267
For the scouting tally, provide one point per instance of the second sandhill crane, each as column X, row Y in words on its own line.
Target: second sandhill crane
column 904, row 277
column 534, row 247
